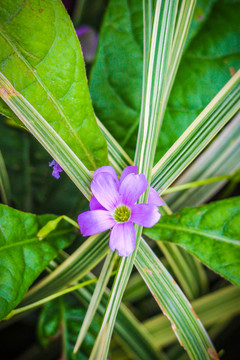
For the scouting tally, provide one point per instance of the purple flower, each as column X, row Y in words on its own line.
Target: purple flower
column 88, row 38
column 56, row 169
column 114, row 206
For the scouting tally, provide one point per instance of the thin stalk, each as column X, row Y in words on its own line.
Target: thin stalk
column 197, row 183
column 5, row 189
column 77, row 12
column 49, row 298
column 64, row 329
column 27, row 181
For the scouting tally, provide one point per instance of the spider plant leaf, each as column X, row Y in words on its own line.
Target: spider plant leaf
column 210, row 309
column 184, row 321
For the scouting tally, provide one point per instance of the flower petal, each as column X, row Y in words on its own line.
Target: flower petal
column 107, row 169
column 95, row 205
column 105, row 189
column 145, row 215
column 154, row 198
column 123, row 238
column 94, row 222
column 128, row 170
column 132, row 187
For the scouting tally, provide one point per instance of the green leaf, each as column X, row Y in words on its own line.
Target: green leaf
column 41, row 56
column 22, row 256
column 63, row 318
column 210, row 61
column 116, row 78
column 210, row 232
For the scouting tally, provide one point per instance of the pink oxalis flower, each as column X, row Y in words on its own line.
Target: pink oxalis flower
column 113, row 206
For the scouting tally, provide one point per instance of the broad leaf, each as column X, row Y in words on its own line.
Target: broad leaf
column 22, row 256
column 63, row 318
column 41, row 56
column 211, row 58
column 210, row 232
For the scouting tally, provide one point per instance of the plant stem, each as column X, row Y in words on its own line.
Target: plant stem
column 51, row 297
column 5, row 191
column 77, row 12
column 196, row 183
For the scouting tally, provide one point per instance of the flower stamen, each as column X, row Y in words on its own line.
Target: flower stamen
column 122, row 214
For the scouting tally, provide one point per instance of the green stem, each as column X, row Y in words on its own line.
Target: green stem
column 70, row 221
column 5, row 191
column 48, row 298
column 77, row 12
column 27, row 173
column 196, row 183
column 63, row 330
column 51, row 297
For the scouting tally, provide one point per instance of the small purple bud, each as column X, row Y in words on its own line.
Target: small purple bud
column 88, row 39
column 56, row 169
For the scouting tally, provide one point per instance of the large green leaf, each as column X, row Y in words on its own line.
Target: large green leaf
column 63, row 318
column 22, row 256
column 210, row 232
column 212, row 56
column 41, row 56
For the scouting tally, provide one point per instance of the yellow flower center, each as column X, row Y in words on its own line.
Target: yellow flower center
column 122, row 214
